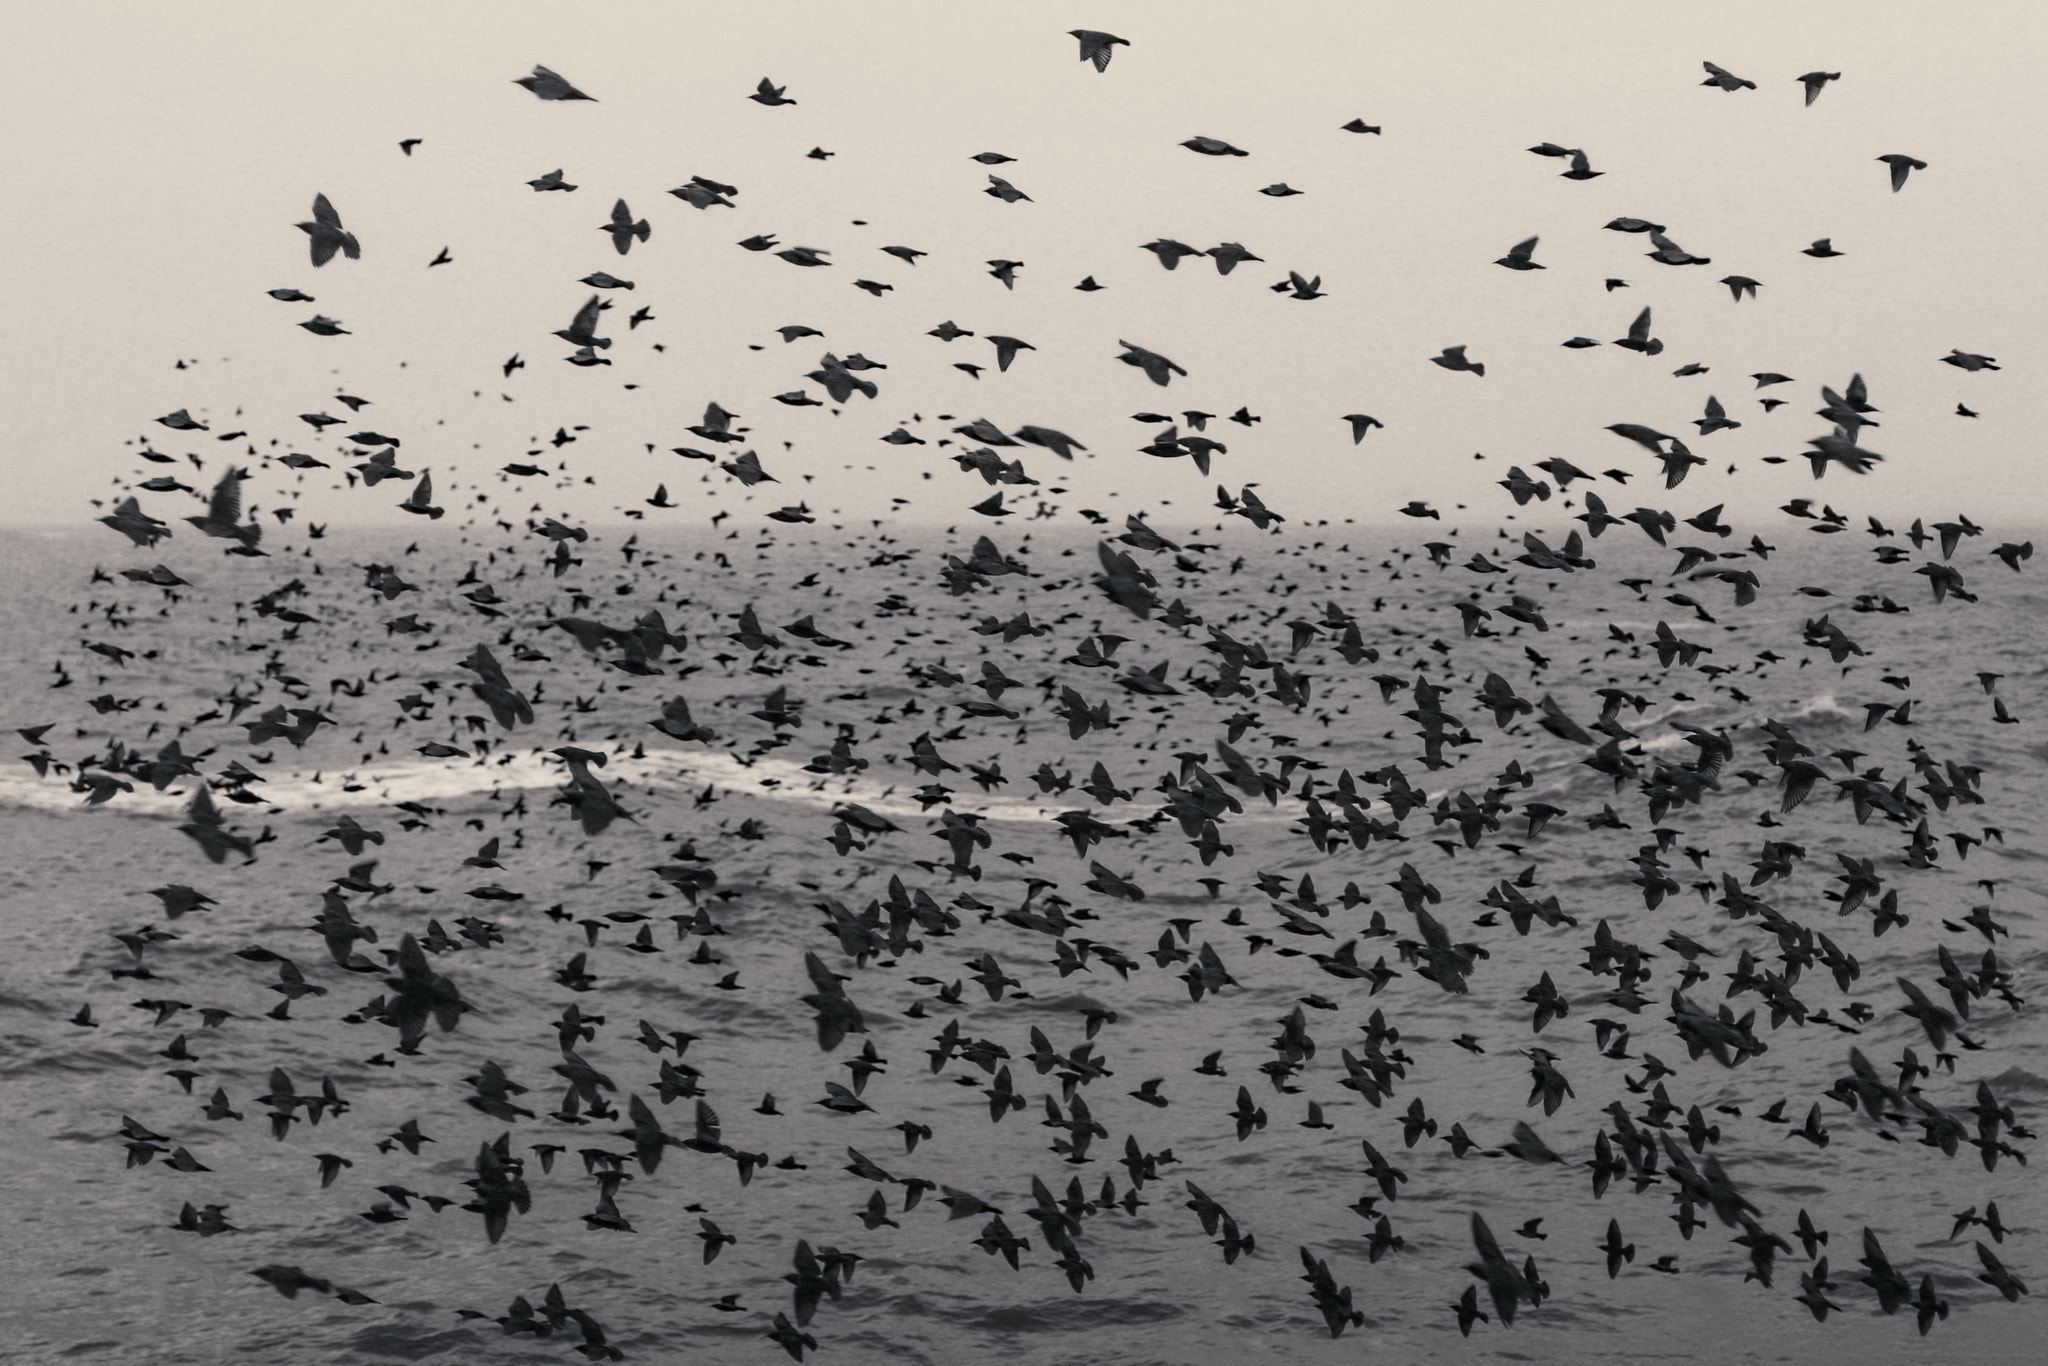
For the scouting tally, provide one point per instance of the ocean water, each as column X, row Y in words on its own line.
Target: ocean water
column 101, row 1272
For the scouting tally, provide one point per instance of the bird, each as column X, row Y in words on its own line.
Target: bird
column 1007, row 349
column 1300, row 288
column 1726, row 80
column 130, row 520
column 1639, row 338
column 1519, row 254
column 1901, row 166
column 326, row 234
column 546, row 85
column 1227, row 256
column 1618, row 1252
column 1670, row 253
column 1157, row 368
column 1453, row 358
column 1097, row 47
column 1578, row 169
column 1716, row 418
column 1360, row 425
column 1997, row 1277
column 769, row 93
column 1816, row 81
column 623, row 229
column 223, row 516
column 1171, row 252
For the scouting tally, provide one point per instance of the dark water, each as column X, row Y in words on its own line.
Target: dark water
column 93, row 1254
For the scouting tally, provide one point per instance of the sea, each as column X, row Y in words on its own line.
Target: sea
column 687, row 891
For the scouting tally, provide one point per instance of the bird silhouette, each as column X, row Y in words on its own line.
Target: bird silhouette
column 1901, row 166
column 546, row 85
column 623, row 229
column 327, row 235
column 1097, row 47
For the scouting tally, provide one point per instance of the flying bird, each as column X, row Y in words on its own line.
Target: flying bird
column 548, row 86
column 1518, row 257
column 1579, row 169
column 1097, row 47
column 1726, row 80
column 328, row 235
column 1902, row 166
column 623, row 229
column 1816, row 81
column 1157, row 368
column 1453, row 358
column 1361, row 423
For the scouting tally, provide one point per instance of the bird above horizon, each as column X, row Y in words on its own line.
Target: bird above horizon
column 1726, row 80
column 327, row 234
column 548, row 86
column 1097, row 47
column 1816, row 81
column 1901, row 166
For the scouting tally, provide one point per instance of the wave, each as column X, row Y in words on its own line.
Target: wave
column 653, row 772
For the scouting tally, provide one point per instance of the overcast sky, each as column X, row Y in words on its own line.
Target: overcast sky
column 162, row 154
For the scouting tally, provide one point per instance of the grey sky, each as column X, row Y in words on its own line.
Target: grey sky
column 162, row 154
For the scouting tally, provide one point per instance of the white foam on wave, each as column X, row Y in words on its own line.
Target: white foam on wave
column 653, row 773
column 656, row 772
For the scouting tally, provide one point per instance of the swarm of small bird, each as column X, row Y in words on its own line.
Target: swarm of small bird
column 1162, row 638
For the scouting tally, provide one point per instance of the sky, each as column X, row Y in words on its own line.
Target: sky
column 171, row 150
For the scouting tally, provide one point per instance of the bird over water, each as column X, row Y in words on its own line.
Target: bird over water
column 1163, row 906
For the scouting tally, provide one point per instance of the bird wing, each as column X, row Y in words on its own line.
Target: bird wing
column 822, row 976
column 1432, row 930
column 225, row 505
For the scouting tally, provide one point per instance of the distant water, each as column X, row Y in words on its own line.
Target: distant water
column 103, row 1274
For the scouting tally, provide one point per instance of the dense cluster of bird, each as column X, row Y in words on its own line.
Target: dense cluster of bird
column 1793, row 949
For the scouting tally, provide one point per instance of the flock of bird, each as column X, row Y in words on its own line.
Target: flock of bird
column 1192, row 639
